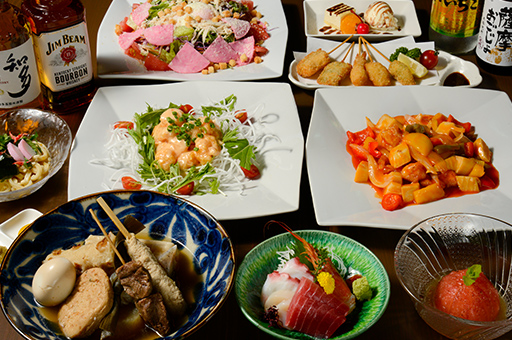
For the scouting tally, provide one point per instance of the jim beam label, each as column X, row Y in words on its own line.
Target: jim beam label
column 64, row 57
column 19, row 82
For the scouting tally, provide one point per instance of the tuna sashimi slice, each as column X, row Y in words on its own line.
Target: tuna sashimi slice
column 188, row 60
column 128, row 38
column 140, row 13
column 314, row 312
column 160, row 35
column 220, row 52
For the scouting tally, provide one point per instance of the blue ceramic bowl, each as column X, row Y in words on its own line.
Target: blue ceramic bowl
column 164, row 216
column 263, row 259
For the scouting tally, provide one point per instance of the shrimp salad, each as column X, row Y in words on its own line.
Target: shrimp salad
column 191, row 36
column 184, row 150
column 422, row 158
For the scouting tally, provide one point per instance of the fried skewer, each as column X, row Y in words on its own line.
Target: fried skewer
column 378, row 74
column 358, row 75
column 335, row 72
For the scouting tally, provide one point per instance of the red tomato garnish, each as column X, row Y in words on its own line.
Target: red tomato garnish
column 122, row 124
column 152, row 63
column 186, row 108
column 363, row 28
column 129, row 183
column 259, row 33
column 429, row 59
column 249, row 4
column 241, row 116
column 124, row 26
column 252, row 173
column 134, row 52
column 187, row 189
column 392, row 202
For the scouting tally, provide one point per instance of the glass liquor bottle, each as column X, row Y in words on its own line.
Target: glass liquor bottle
column 63, row 53
column 19, row 81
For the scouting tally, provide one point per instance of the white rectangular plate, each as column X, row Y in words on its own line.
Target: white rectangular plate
column 338, row 200
column 277, row 190
column 404, row 11
column 114, row 63
column 9, row 229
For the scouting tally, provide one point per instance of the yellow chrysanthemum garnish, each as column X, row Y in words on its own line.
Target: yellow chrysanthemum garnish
column 326, row 281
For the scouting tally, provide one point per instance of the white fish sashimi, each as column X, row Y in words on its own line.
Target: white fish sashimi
column 296, row 269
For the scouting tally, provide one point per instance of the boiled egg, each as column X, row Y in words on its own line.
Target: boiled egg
column 54, row 281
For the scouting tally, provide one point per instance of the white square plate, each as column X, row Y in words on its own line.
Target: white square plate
column 338, row 200
column 404, row 11
column 277, row 191
column 114, row 63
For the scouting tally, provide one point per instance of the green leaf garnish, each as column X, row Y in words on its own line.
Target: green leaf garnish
column 472, row 274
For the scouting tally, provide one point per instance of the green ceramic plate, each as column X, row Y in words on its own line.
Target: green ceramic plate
column 263, row 259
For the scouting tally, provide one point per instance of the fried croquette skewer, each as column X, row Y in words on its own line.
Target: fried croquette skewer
column 358, row 75
column 401, row 73
column 378, row 73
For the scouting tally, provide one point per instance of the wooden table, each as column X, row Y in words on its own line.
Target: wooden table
column 400, row 320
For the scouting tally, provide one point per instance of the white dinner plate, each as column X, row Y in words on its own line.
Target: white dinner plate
column 114, row 63
column 338, row 200
column 404, row 11
column 277, row 191
column 447, row 63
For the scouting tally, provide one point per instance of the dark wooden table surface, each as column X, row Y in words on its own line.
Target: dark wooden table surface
column 400, row 321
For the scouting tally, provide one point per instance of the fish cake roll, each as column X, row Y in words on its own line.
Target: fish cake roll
column 334, row 73
column 401, row 73
column 358, row 74
column 379, row 75
column 312, row 63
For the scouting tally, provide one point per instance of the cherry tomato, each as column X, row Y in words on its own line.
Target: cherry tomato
column 363, row 28
column 122, row 124
column 129, row 183
column 186, row 189
column 429, row 59
column 241, row 116
column 252, row 173
column 186, row 108
column 259, row 33
column 392, row 201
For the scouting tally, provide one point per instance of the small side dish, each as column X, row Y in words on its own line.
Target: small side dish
column 422, row 158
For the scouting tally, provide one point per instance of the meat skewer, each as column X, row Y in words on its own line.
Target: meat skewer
column 139, row 252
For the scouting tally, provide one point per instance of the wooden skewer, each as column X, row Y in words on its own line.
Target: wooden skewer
column 367, row 51
column 383, row 56
column 106, row 236
column 348, row 51
column 341, row 44
column 113, row 217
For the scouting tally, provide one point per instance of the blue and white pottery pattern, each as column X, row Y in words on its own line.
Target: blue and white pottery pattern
column 164, row 216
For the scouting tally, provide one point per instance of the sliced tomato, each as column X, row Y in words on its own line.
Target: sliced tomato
column 152, row 63
column 260, row 50
column 123, row 124
column 134, row 52
column 392, row 202
column 241, row 116
column 252, row 173
column 258, row 32
column 187, row 189
column 124, row 26
column 129, row 183
column 248, row 3
column 186, row 108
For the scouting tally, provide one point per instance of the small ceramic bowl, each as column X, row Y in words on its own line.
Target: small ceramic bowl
column 52, row 131
column 165, row 217
column 444, row 243
column 263, row 259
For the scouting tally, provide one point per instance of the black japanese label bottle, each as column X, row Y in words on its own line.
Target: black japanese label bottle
column 19, row 81
column 494, row 47
column 63, row 53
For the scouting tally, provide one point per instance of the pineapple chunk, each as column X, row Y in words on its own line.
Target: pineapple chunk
column 482, row 150
column 393, row 188
column 399, row 155
column 477, row 171
column 386, row 121
column 361, row 172
column 446, row 128
column 408, row 191
column 468, row 184
column 438, row 161
column 420, row 142
column 429, row 193
column 451, row 163
column 461, row 165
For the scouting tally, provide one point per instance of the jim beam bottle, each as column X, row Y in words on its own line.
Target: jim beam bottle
column 19, row 81
column 63, row 53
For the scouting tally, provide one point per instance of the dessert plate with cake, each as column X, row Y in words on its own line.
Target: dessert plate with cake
column 374, row 20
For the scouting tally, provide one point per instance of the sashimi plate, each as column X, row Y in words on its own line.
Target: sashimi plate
column 264, row 259
column 404, row 11
column 281, row 156
column 447, row 63
column 114, row 63
column 338, row 200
